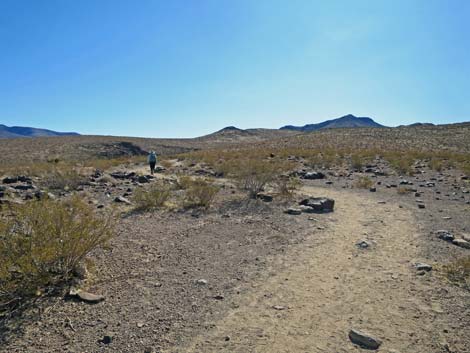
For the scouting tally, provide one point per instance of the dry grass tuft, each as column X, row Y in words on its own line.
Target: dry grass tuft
column 458, row 272
column 364, row 182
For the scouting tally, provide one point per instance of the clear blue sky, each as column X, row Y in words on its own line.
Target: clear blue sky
column 186, row 68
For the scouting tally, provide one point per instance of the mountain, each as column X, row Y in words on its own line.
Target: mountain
column 20, row 131
column 234, row 134
column 346, row 121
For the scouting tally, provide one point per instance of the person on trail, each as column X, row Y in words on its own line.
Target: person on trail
column 152, row 160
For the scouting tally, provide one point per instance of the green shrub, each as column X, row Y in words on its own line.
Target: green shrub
column 152, row 197
column 43, row 242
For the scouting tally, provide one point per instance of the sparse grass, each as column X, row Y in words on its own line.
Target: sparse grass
column 42, row 242
column 152, row 197
column 198, row 192
column 62, row 179
column 364, row 182
column 403, row 190
column 356, row 162
column 458, row 272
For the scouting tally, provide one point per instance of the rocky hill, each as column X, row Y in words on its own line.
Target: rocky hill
column 347, row 121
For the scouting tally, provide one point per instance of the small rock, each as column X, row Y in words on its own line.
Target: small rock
column 219, row 297
column 264, row 197
column 445, row 235
column 121, row 199
column 201, row 282
column 85, row 296
column 421, row 205
column 293, row 211
column 279, row 307
column 462, row 243
column 364, row 339
column 423, row 267
column 373, row 189
column 107, row 339
column 363, row 244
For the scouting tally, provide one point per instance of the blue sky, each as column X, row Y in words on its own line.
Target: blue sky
column 186, row 68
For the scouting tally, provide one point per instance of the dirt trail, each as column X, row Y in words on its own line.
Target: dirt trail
column 328, row 286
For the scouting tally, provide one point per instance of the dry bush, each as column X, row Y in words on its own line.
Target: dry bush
column 403, row 164
column 458, row 271
column 43, row 242
column 403, row 190
column 356, row 162
column 253, row 175
column 364, row 183
column 62, row 178
column 152, row 197
column 436, row 164
column 198, row 192
column 286, row 187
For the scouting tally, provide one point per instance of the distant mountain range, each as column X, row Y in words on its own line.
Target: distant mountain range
column 21, row 131
column 347, row 121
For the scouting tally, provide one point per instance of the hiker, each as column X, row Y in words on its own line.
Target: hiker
column 152, row 159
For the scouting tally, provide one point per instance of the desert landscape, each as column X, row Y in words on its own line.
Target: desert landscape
column 335, row 240
column 234, row 176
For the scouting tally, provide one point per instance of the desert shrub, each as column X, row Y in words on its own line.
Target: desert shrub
column 436, row 164
column 286, row 187
column 198, row 192
column 152, row 197
column 43, row 242
column 62, row 179
column 253, row 175
column 403, row 164
column 356, row 162
column 458, row 271
column 364, row 183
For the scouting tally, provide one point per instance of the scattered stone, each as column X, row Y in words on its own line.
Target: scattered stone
column 319, row 204
column 121, row 199
column 373, row 189
column 363, row 244
column 202, row 282
column 364, row 340
column 219, row 297
column 107, row 339
column 293, row 211
column 421, row 205
column 23, row 187
column 445, row 235
column 143, row 179
column 85, row 296
column 313, row 175
column 423, row 267
column 279, row 307
column 461, row 243
column 10, row 180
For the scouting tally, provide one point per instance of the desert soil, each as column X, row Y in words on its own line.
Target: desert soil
column 327, row 285
column 273, row 282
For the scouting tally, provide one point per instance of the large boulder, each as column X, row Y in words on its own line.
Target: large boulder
column 319, row 204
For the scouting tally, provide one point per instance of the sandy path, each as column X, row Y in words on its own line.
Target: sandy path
column 328, row 285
